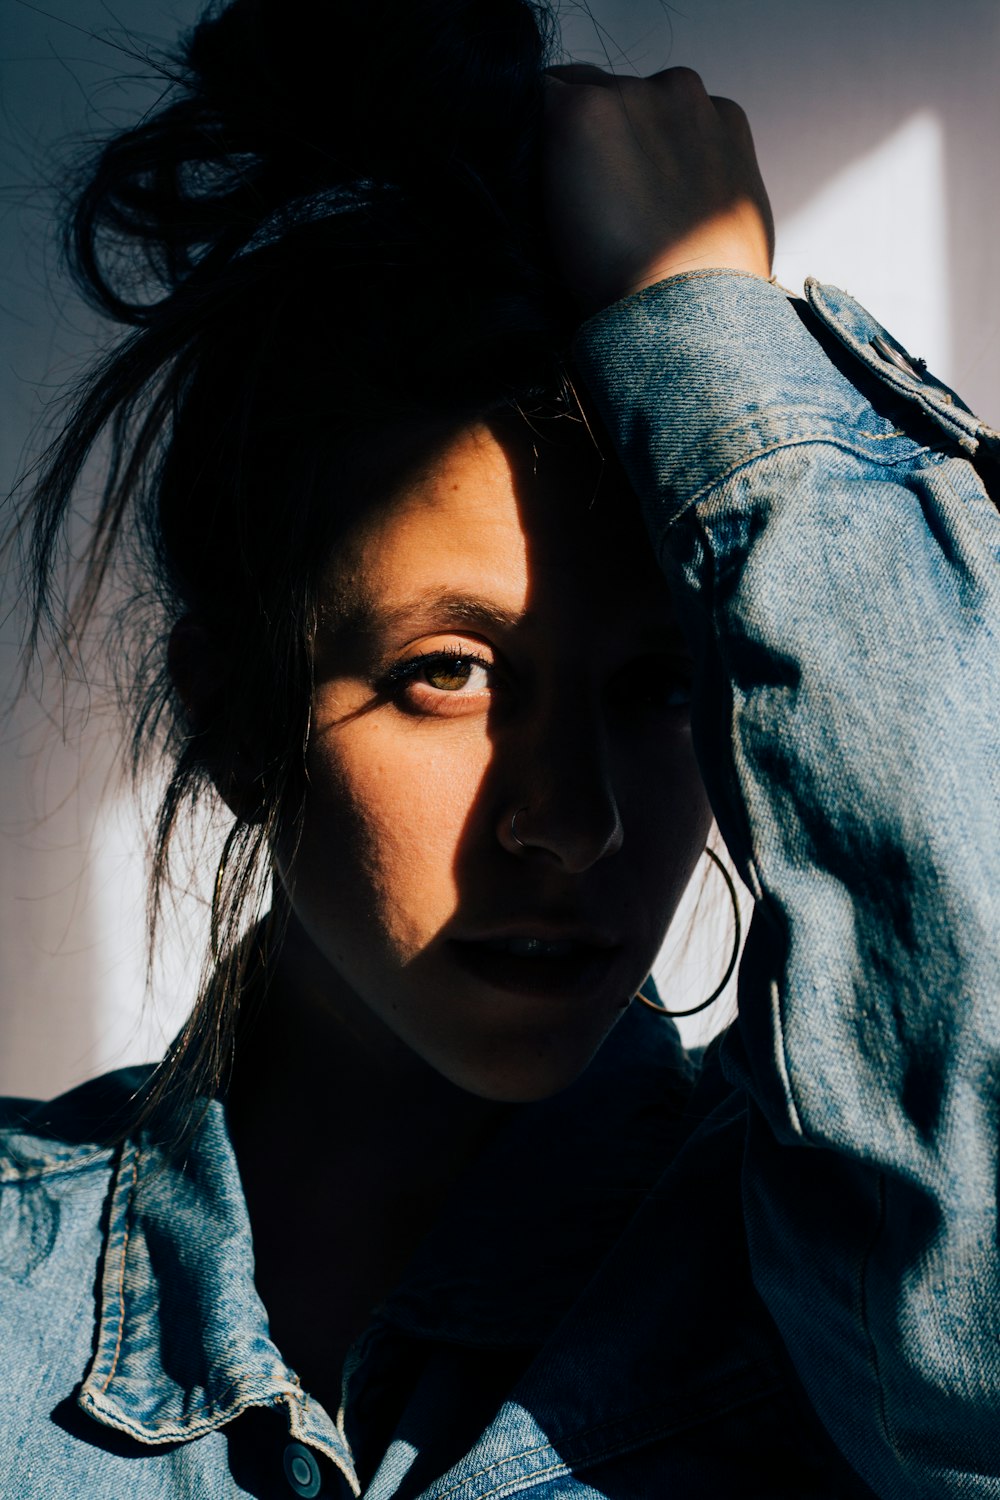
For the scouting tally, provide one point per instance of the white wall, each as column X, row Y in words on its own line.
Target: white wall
column 877, row 124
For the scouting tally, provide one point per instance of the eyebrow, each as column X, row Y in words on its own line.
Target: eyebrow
column 364, row 617
column 354, row 623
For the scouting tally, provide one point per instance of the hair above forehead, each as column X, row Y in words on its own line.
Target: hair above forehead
column 323, row 245
column 311, row 392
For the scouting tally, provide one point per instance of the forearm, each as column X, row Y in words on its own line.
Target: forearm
column 842, row 583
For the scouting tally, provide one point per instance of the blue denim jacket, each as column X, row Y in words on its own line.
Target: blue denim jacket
column 805, row 1301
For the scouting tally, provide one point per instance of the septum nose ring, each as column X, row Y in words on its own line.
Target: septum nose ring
column 513, row 830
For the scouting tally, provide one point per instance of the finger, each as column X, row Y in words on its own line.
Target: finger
column 681, row 80
column 733, row 117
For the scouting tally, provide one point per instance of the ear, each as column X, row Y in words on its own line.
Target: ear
column 192, row 662
column 196, row 671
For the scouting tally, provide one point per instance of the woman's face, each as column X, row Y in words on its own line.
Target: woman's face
column 503, row 804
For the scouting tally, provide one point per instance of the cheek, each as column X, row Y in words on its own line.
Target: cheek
column 686, row 801
column 670, row 820
column 385, row 817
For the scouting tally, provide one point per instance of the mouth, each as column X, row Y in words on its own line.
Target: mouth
column 534, row 947
column 538, row 966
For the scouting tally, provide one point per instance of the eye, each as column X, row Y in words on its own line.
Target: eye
column 446, row 681
column 450, row 674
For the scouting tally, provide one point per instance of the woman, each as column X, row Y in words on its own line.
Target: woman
column 423, row 1202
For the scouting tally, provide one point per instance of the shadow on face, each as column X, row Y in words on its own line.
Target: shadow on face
column 504, row 805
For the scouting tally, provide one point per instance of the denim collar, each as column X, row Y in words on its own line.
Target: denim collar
column 183, row 1344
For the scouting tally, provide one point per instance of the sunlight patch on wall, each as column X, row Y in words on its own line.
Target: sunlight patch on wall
column 135, row 1025
column 879, row 231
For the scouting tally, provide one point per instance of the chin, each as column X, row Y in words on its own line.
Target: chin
column 525, row 1072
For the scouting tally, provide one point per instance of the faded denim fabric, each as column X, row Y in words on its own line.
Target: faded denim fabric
column 136, row 1350
column 793, row 1292
column 839, row 561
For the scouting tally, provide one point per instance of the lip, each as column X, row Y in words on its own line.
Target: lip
column 583, row 973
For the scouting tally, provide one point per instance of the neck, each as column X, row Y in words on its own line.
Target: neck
column 343, row 1133
column 318, row 1060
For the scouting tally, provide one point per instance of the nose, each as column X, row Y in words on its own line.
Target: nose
column 565, row 809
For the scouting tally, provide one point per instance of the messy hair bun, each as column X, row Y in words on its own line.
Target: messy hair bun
column 276, row 102
column 323, row 244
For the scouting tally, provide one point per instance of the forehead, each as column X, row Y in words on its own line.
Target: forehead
column 535, row 525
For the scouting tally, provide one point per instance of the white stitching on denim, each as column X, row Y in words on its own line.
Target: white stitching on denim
column 169, row 1432
column 217, row 1412
column 532, row 1477
column 643, row 1435
column 121, row 1279
column 497, row 1464
column 825, row 438
column 79, row 1161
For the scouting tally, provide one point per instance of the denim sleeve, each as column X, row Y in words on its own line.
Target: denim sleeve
column 836, row 560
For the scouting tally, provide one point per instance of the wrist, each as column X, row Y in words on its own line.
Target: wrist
column 701, row 254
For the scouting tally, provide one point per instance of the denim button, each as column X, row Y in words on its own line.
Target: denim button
column 301, row 1470
column 912, row 367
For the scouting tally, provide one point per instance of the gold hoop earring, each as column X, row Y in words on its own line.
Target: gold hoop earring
column 661, row 1010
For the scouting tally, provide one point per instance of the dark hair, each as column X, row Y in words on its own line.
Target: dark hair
column 327, row 231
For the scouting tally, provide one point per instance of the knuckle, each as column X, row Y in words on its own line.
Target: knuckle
column 684, row 80
column 730, row 110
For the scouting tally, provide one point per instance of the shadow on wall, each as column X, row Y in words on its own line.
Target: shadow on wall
column 876, row 125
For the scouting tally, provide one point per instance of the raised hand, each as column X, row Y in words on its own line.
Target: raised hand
column 647, row 178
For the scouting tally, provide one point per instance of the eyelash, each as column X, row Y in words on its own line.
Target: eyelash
column 408, row 671
column 633, row 689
